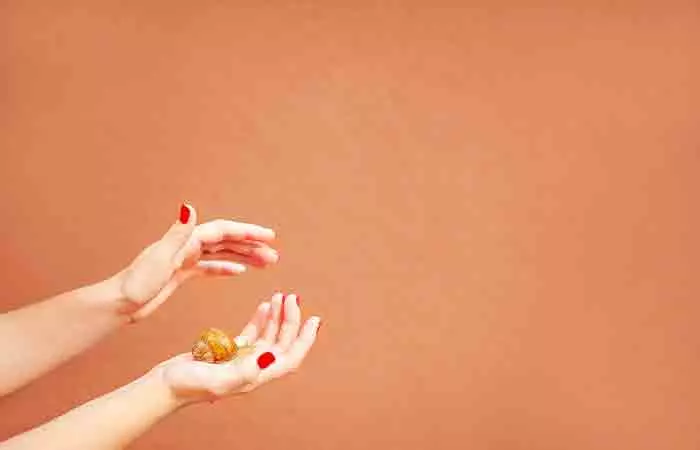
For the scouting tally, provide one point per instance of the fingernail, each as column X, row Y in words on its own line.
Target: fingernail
column 184, row 213
column 265, row 360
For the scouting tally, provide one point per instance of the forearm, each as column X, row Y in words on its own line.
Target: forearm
column 39, row 337
column 108, row 422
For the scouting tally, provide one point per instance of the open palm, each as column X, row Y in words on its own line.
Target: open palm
column 281, row 344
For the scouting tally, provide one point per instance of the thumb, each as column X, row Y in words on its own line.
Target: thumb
column 180, row 232
column 254, row 365
column 245, row 376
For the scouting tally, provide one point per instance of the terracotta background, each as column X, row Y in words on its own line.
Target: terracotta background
column 493, row 207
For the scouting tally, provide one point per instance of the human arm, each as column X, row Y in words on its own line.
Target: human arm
column 37, row 338
column 116, row 419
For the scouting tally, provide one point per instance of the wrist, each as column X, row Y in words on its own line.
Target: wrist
column 114, row 300
column 159, row 392
column 102, row 301
column 158, row 381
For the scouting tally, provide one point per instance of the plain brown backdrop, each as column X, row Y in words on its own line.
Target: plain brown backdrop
column 493, row 206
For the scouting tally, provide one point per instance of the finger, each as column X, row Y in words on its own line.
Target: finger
column 253, row 329
column 245, row 247
column 224, row 255
column 289, row 328
column 228, row 230
column 246, row 372
column 219, row 268
column 301, row 346
column 204, row 240
column 180, row 232
column 272, row 328
column 260, row 254
column 296, row 353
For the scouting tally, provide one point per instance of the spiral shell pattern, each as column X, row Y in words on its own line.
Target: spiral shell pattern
column 214, row 346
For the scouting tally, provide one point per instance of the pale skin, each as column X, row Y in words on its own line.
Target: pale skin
column 74, row 321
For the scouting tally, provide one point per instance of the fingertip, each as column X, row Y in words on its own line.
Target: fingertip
column 262, row 234
column 230, row 267
column 237, row 268
column 215, row 267
column 265, row 311
column 270, row 233
column 267, row 255
column 295, row 299
column 185, row 213
column 316, row 322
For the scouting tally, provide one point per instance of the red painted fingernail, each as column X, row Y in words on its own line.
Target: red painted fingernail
column 265, row 360
column 184, row 213
column 299, row 301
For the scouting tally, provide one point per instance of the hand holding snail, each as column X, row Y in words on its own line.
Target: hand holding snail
column 273, row 344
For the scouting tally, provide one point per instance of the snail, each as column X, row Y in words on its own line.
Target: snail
column 215, row 346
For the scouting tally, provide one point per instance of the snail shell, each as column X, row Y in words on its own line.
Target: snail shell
column 214, row 346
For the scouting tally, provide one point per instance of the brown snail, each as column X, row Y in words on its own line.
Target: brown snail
column 215, row 346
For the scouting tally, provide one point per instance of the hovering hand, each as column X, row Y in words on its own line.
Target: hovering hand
column 216, row 248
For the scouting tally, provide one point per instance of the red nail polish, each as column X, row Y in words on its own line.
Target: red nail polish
column 184, row 213
column 299, row 301
column 265, row 360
